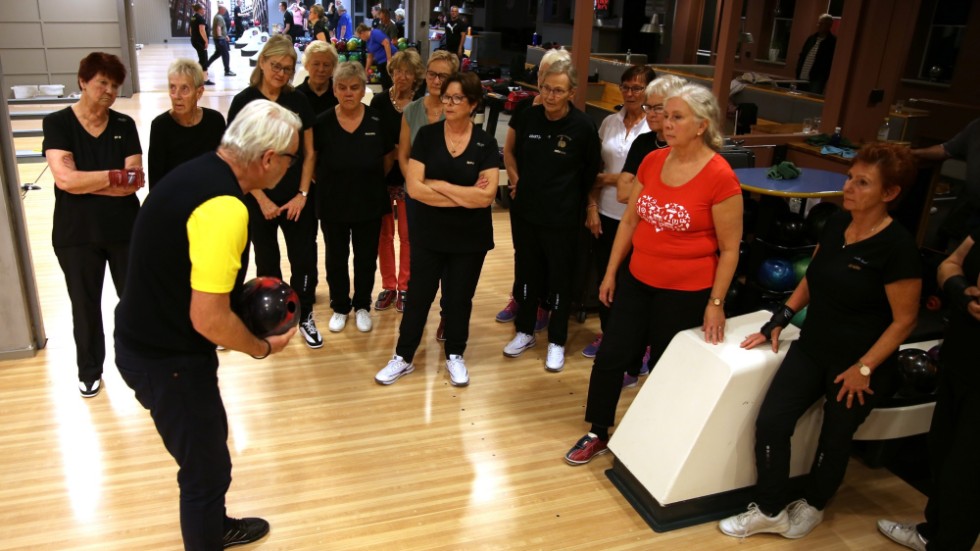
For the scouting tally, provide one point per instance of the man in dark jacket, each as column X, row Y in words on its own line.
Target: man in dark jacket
column 816, row 56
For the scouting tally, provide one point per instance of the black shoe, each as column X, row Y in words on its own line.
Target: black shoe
column 90, row 390
column 208, row 82
column 239, row 531
column 230, row 74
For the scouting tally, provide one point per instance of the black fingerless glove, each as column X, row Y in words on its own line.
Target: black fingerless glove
column 955, row 288
column 779, row 319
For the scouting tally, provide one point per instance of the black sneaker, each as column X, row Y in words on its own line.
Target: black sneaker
column 239, row 531
column 208, row 82
column 308, row 328
column 90, row 390
column 230, row 74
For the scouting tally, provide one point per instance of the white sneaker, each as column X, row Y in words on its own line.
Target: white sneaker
column 903, row 534
column 397, row 368
column 556, row 358
column 517, row 345
column 457, row 370
column 337, row 322
column 803, row 518
column 754, row 521
column 364, row 323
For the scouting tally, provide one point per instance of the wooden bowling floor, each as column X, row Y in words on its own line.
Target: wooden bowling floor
column 333, row 460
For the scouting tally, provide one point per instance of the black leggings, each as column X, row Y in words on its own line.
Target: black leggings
column 641, row 316
column 544, row 264
column 800, row 381
column 341, row 237
column 602, row 251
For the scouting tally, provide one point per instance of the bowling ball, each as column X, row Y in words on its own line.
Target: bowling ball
column 934, row 303
column 934, row 353
column 402, row 46
column 353, row 44
column 342, row 57
column 341, row 46
column 789, row 230
column 799, row 267
column 817, row 218
column 918, row 372
column 776, row 274
column 268, row 306
column 799, row 318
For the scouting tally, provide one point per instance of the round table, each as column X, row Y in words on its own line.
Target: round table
column 812, row 183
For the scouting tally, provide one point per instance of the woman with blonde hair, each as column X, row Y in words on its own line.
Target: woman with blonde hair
column 318, row 24
column 288, row 206
column 407, row 74
column 186, row 130
column 319, row 58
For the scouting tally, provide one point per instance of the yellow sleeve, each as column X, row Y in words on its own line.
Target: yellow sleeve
column 217, row 232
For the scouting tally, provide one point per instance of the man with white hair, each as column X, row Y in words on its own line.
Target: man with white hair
column 188, row 257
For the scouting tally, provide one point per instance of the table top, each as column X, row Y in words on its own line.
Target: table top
column 812, row 182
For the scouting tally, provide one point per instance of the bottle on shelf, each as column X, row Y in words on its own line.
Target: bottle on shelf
column 835, row 138
column 535, row 39
column 883, row 131
column 629, row 57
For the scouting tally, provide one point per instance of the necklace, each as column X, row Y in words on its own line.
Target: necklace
column 867, row 234
column 394, row 101
column 452, row 143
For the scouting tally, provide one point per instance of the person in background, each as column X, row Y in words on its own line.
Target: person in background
column 604, row 210
column 964, row 217
column 318, row 21
column 452, row 177
column 297, row 29
column 817, row 55
column 954, row 443
column 239, row 20
column 556, row 148
column 509, row 313
column 427, row 110
column 684, row 222
column 320, row 59
column 376, row 16
column 862, row 293
column 378, row 48
column 95, row 157
column 199, row 39
column 387, row 25
column 407, row 73
column 186, row 130
column 287, row 20
column 219, row 30
column 352, row 194
column 288, row 207
column 455, row 38
column 400, row 22
column 188, row 264
column 345, row 29
column 332, row 17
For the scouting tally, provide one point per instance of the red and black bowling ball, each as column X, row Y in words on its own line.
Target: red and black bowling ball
column 268, row 306
column 817, row 218
column 918, row 371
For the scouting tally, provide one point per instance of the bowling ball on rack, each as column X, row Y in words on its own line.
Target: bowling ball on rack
column 918, row 371
column 800, row 266
column 267, row 306
column 934, row 353
column 799, row 317
column 341, row 46
column 817, row 218
column 776, row 274
column 789, row 230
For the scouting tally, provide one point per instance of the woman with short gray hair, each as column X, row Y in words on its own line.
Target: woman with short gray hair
column 320, row 59
column 186, row 130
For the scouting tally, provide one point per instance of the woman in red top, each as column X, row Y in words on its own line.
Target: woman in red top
column 685, row 207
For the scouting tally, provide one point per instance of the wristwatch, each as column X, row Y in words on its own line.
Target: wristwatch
column 715, row 301
column 304, row 193
column 864, row 370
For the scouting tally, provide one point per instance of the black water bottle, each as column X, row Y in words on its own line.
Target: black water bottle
column 835, row 138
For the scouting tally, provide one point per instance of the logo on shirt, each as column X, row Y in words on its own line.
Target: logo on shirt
column 563, row 141
column 480, row 144
column 666, row 217
column 370, row 133
column 470, row 163
column 534, row 136
column 117, row 137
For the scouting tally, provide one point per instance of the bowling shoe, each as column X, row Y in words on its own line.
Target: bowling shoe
column 508, row 313
column 337, row 322
column 903, row 534
column 803, row 518
column 556, row 358
column 458, row 376
column 588, row 447
column 517, row 345
column 386, row 298
column 239, row 531
column 542, row 320
column 397, row 368
column 593, row 348
column 754, row 521
column 401, row 300
column 90, row 390
column 364, row 321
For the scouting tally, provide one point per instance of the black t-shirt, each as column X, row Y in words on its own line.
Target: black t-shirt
column 966, row 146
column 454, row 34
column 172, row 144
column 391, row 119
column 557, row 162
column 295, row 101
column 322, row 103
column 958, row 355
column 196, row 21
column 642, row 146
column 848, row 309
column 153, row 315
column 518, row 112
column 320, row 27
column 453, row 229
column 82, row 218
column 350, row 169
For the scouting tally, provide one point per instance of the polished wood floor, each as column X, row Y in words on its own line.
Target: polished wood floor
column 333, row 460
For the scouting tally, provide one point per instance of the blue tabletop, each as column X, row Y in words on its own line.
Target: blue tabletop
column 812, row 182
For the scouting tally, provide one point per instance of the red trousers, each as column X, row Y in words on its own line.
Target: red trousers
column 386, row 249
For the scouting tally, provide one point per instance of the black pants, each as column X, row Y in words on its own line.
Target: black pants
column 459, row 273
column 181, row 393
column 602, row 251
column 300, row 237
column 340, row 237
column 202, row 57
column 800, row 381
column 544, row 264
column 221, row 50
column 641, row 316
column 384, row 76
column 954, row 445
column 84, row 269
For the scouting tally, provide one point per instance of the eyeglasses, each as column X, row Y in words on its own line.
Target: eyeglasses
column 279, row 68
column 434, row 75
column 631, row 89
column 656, row 109
column 455, row 100
column 292, row 157
column 549, row 91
